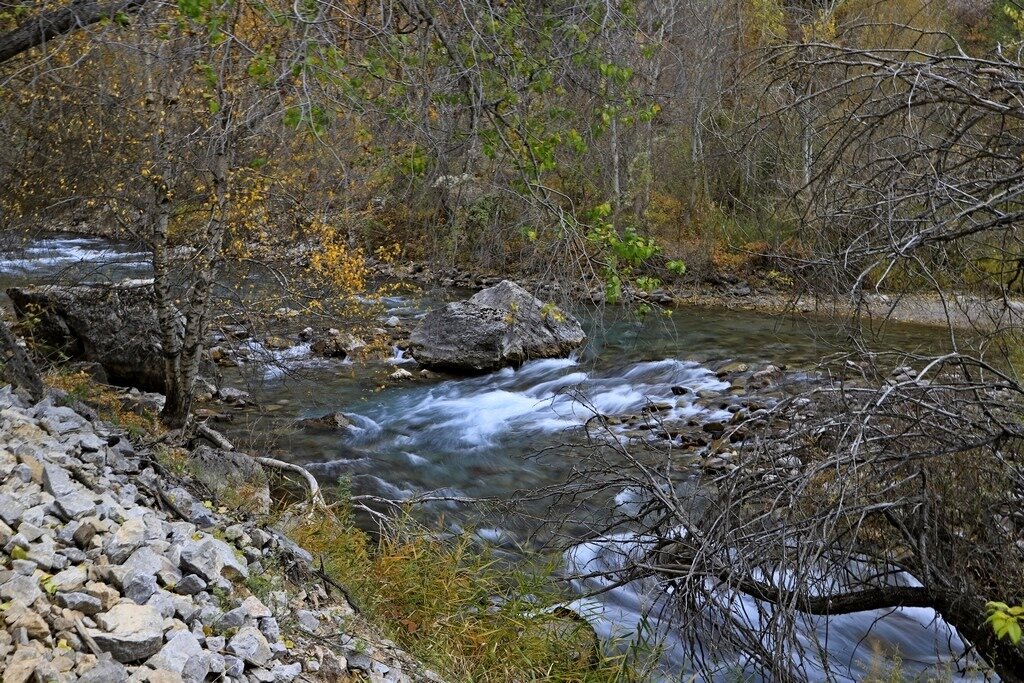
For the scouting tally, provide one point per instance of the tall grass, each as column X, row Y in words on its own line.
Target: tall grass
column 457, row 607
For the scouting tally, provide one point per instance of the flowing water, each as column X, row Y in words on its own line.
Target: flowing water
column 515, row 431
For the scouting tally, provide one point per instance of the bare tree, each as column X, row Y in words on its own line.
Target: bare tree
column 897, row 480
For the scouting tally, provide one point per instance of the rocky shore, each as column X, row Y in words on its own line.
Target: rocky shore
column 112, row 570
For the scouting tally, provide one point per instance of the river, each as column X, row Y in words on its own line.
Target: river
column 513, row 432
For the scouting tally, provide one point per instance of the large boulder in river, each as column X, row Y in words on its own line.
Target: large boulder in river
column 113, row 325
column 501, row 325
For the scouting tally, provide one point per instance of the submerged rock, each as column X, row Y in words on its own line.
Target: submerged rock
column 113, row 325
column 499, row 326
column 337, row 344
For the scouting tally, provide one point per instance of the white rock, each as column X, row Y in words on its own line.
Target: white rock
column 211, row 559
column 176, row 653
column 250, row 645
column 130, row 632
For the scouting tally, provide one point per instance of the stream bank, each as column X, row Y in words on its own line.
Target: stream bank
column 491, row 437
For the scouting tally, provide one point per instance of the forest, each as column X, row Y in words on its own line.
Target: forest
column 535, row 309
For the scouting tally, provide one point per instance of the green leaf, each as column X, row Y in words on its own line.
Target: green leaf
column 1014, row 632
column 292, row 117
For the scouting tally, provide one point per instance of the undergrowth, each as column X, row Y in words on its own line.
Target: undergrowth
column 106, row 401
column 458, row 608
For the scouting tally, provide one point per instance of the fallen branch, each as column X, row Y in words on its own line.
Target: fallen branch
column 214, row 437
column 311, row 483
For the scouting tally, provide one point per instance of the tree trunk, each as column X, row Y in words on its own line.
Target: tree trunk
column 159, row 215
column 41, row 28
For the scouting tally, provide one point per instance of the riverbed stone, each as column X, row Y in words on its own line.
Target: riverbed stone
column 501, row 325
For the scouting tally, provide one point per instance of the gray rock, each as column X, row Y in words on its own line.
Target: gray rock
column 190, row 585
column 176, row 653
column 76, row 505
column 233, row 666
column 81, row 602
column 255, row 608
column 270, row 628
column 106, row 670
column 123, row 542
column 23, row 473
column 222, row 470
column 24, row 588
column 216, row 663
column 308, row 621
column 195, row 511
column 212, row 559
column 285, row 673
column 232, row 619
column 90, row 443
column 11, row 510
column 114, row 326
column 184, row 607
column 146, row 560
column 260, row 675
column 130, row 632
column 250, row 645
column 336, row 421
column 139, row 587
column 57, row 481
column 31, row 532
column 24, row 567
column 499, row 326
column 233, row 396
column 70, row 579
column 197, row 668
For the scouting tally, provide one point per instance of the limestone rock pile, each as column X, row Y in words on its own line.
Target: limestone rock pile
column 109, row 573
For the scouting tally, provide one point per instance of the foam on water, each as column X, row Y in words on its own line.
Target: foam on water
column 275, row 363
column 541, row 397
column 50, row 255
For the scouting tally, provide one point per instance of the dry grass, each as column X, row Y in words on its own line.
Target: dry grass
column 459, row 609
column 107, row 402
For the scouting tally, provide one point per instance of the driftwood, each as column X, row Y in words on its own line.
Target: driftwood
column 314, row 488
column 220, row 441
